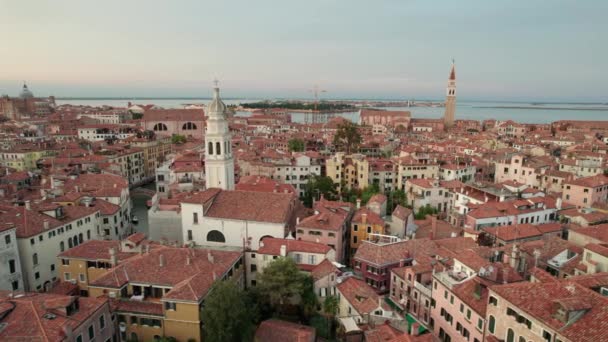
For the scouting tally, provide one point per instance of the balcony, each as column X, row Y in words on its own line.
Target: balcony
column 451, row 278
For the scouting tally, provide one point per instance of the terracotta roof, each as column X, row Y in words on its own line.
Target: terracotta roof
column 190, row 272
column 539, row 300
column 384, row 254
column 272, row 246
column 402, row 212
column 371, row 217
column 324, row 268
column 25, row 320
column 245, row 205
column 96, row 250
column 274, row 330
column 590, row 182
column 359, row 295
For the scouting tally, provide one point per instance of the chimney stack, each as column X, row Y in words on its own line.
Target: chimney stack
column 28, row 206
column 210, row 257
column 188, row 261
column 113, row 258
column 558, row 203
column 161, row 260
column 283, row 250
column 505, row 275
column 46, row 224
column 358, row 203
column 433, row 227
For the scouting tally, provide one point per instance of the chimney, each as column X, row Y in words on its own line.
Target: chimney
column 283, row 250
column 147, row 249
column 77, row 188
column 210, row 257
column 114, row 185
column 415, row 327
column 514, row 261
column 453, row 234
column 28, row 206
column 558, row 203
column 358, row 203
column 46, row 224
column 161, row 260
column 297, row 220
column 505, row 275
column 433, row 227
column 113, row 258
column 188, row 261
column 364, row 218
column 68, row 332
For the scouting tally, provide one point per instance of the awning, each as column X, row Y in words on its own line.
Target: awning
column 349, row 324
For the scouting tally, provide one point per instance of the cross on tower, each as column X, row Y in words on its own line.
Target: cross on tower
column 216, row 82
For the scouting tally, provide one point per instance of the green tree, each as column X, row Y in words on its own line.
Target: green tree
column 368, row 192
column 228, row 314
column 317, row 186
column 424, row 211
column 606, row 172
column 280, row 281
column 178, row 139
column 296, row 145
column 309, row 299
column 347, row 137
column 395, row 198
column 137, row 116
column 330, row 310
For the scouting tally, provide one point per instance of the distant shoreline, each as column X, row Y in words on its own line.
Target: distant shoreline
column 547, row 108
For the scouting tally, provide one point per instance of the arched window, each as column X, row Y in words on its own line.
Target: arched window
column 35, row 258
column 160, row 127
column 218, row 148
column 215, row 236
column 522, row 339
column 62, row 246
column 70, row 245
column 510, row 335
column 492, row 324
column 80, row 238
column 75, row 241
column 210, row 148
column 188, row 126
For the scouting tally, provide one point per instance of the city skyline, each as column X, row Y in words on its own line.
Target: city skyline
column 391, row 50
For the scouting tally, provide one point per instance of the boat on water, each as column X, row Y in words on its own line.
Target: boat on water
column 135, row 219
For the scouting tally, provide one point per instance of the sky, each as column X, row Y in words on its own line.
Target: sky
column 516, row 50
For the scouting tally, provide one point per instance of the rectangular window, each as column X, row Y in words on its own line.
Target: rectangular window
column 190, row 235
column 170, row 306
column 11, row 266
column 91, row 332
column 67, row 276
column 194, row 218
column 7, row 239
column 102, row 322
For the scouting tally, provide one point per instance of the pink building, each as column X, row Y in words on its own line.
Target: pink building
column 584, row 192
column 168, row 122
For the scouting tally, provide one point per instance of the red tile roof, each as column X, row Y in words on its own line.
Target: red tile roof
column 25, row 320
column 274, row 330
column 361, row 296
column 272, row 246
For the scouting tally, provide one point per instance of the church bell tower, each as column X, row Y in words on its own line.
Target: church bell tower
column 450, row 99
column 219, row 164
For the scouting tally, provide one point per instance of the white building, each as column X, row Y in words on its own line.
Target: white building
column 216, row 217
column 44, row 231
column 219, row 164
column 11, row 276
column 100, row 132
column 306, row 255
column 298, row 173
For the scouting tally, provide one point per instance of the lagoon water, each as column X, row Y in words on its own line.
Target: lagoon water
column 520, row 112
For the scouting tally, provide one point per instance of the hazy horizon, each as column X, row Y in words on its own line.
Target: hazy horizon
column 516, row 51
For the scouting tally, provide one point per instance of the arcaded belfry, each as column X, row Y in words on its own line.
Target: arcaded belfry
column 219, row 164
column 450, row 99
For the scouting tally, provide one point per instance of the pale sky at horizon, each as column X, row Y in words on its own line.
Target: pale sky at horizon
column 509, row 50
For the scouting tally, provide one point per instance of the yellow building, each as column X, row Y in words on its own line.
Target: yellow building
column 23, row 159
column 364, row 223
column 155, row 150
column 352, row 169
column 156, row 290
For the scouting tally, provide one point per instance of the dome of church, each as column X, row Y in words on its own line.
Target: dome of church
column 216, row 105
column 25, row 93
